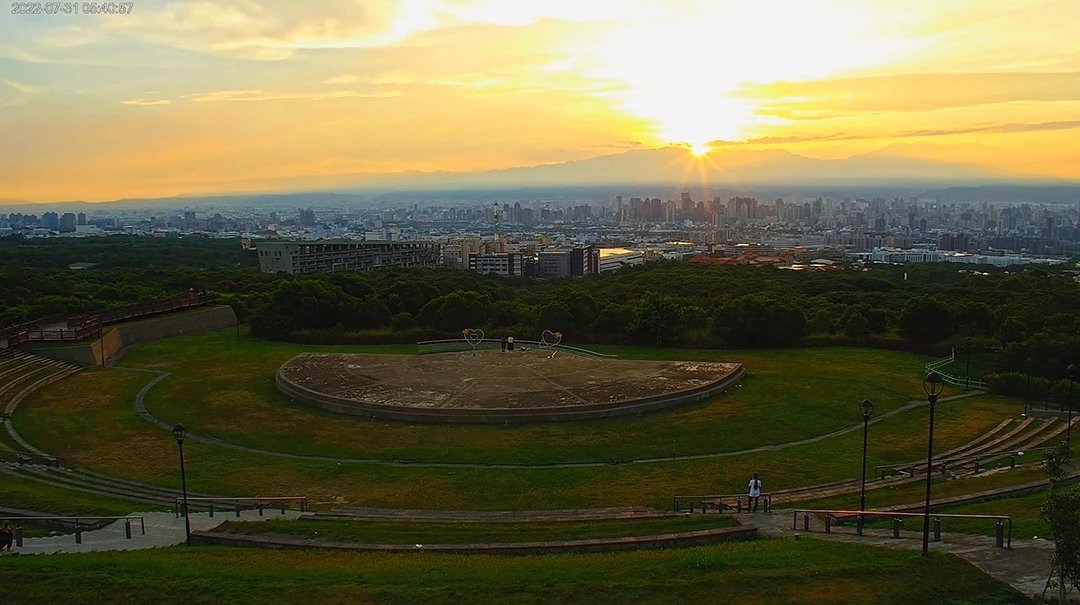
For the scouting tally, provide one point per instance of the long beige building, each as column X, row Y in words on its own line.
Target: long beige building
column 330, row 256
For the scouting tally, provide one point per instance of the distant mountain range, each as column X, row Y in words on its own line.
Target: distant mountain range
column 664, row 172
column 725, row 168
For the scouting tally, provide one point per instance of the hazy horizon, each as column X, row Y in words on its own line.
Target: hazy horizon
column 188, row 98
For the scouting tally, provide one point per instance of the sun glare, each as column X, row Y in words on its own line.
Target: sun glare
column 699, row 149
column 693, row 85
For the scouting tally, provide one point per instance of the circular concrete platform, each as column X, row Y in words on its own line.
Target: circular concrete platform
column 492, row 386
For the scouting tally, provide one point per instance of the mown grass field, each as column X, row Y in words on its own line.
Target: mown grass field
column 89, row 420
column 765, row 571
column 224, row 386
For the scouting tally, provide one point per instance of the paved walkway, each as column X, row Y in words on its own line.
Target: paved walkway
column 1024, row 566
column 162, row 529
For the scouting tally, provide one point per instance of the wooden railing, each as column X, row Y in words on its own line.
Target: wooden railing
column 61, row 328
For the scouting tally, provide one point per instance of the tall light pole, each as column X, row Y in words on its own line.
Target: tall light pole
column 932, row 385
column 1072, row 379
column 867, row 407
column 179, row 432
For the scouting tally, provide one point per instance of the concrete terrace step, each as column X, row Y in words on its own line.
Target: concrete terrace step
column 784, row 493
column 127, row 482
column 1003, row 442
column 983, row 496
column 16, row 376
column 525, row 516
column 839, row 489
column 117, row 494
column 1019, row 437
column 164, row 495
column 978, row 440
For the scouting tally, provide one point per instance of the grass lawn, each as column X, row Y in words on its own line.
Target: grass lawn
column 89, row 420
column 223, row 386
column 401, row 532
column 765, row 571
column 1024, row 512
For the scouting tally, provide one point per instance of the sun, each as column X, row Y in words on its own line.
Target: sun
column 699, row 149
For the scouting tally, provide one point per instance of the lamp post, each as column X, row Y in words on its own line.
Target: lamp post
column 867, row 406
column 932, row 385
column 1072, row 380
column 179, row 432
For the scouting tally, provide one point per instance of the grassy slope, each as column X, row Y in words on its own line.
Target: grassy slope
column 222, row 385
column 772, row 571
column 89, row 420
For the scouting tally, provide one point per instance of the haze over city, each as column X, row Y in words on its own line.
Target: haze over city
column 182, row 98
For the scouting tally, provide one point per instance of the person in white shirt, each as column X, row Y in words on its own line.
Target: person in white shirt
column 755, row 493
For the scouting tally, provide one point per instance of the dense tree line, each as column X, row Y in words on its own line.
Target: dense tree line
column 1029, row 314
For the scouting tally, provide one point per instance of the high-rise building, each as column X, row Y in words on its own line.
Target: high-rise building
column 499, row 263
column 331, row 256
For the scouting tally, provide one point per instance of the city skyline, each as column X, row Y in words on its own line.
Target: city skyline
column 181, row 98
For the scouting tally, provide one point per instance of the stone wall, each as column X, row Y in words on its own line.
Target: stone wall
column 682, row 540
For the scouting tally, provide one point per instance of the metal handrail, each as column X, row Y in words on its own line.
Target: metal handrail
column 78, row 524
column 495, row 342
column 706, row 502
column 870, row 513
column 179, row 501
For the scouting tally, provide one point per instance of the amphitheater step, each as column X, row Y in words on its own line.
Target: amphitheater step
column 97, row 492
column 137, row 484
column 93, row 483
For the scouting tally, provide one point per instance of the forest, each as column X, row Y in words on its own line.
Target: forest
column 1023, row 313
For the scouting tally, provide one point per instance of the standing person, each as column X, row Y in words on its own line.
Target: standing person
column 755, row 493
column 503, row 344
column 5, row 537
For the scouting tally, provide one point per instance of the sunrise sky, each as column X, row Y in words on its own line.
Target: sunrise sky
column 255, row 95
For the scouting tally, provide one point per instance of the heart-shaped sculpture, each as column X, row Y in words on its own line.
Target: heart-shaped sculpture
column 473, row 336
column 550, row 339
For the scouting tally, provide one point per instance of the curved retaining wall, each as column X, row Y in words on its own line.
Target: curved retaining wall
column 504, row 415
column 682, row 540
column 114, row 338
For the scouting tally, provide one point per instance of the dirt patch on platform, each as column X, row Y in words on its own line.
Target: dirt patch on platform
column 493, row 380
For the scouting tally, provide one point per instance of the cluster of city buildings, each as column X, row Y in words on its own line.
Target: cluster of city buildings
column 499, row 256
column 573, row 238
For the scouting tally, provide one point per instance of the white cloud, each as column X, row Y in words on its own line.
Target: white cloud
column 262, row 95
column 24, row 88
column 145, row 102
column 8, row 51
